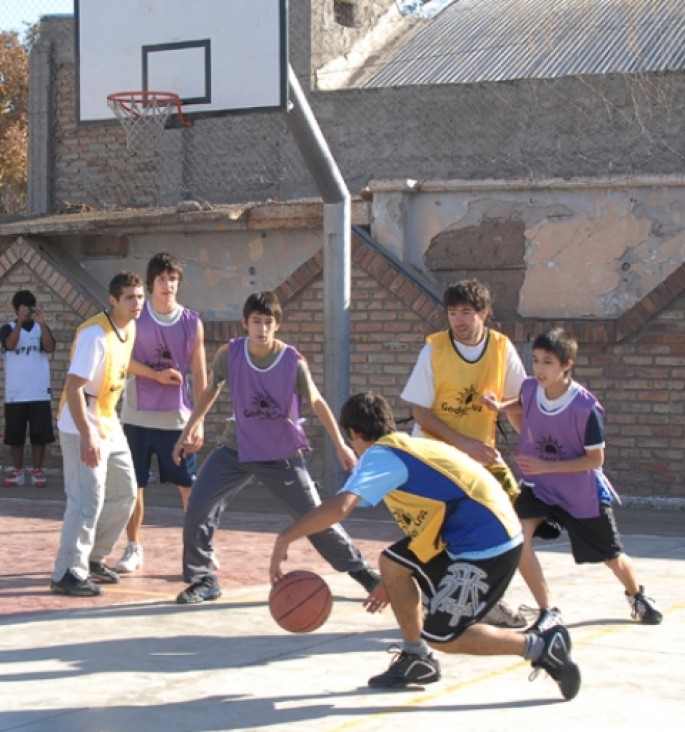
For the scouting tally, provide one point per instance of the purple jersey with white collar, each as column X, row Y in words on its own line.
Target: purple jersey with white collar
column 560, row 436
column 162, row 347
column 266, row 405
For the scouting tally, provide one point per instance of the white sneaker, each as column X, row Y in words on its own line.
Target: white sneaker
column 131, row 559
column 502, row 616
column 14, row 477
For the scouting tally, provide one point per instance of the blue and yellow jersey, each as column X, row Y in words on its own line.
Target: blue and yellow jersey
column 438, row 496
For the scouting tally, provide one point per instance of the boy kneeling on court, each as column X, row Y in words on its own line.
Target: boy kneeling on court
column 462, row 548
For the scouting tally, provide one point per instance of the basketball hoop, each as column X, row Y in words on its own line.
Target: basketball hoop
column 144, row 114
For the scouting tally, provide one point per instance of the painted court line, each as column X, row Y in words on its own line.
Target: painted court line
column 426, row 698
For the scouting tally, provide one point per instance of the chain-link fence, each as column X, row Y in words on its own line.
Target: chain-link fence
column 570, row 89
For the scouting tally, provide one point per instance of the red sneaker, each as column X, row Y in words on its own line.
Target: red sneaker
column 14, row 477
column 38, row 478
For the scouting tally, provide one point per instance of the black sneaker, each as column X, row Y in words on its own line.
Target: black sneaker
column 407, row 668
column 548, row 530
column 368, row 578
column 70, row 584
column 643, row 608
column 547, row 618
column 556, row 660
column 204, row 589
column 100, row 572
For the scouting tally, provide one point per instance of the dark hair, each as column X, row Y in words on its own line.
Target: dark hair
column 265, row 303
column 369, row 415
column 123, row 280
column 558, row 342
column 468, row 292
column 23, row 297
column 162, row 262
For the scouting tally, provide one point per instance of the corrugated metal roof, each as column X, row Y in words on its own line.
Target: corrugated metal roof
column 496, row 40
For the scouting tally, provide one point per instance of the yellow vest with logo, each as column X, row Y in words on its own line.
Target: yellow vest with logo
column 459, row 384
column 421, row 513
column 115, row 370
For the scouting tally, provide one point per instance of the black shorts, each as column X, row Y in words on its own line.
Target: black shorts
column 148, row 441
column 457, row 593
column 36, row 415
column 593, row 540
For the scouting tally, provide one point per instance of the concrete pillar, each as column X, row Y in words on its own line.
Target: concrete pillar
column 337, row 261
column 41, row 123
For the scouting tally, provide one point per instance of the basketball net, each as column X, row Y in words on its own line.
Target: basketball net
column 143, row 115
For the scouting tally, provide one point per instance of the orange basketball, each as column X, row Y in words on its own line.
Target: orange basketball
column 300, row 601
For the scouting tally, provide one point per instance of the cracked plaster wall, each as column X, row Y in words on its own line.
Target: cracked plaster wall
column 220, row 270
column 590, row 249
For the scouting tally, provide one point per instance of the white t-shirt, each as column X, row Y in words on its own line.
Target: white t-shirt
column 88, row 362
column 27, row 368
column 420, row 388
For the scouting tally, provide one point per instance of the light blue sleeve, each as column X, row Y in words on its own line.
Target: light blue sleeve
column 378, row 472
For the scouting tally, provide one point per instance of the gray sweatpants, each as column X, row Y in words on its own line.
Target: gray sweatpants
column 222, row 477
column 99, row 503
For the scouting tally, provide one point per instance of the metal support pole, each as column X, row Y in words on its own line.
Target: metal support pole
column 337, row 262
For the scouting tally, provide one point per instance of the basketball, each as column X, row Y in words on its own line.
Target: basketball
column 300, row 601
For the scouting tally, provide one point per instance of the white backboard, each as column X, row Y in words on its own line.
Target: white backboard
column 219, row 56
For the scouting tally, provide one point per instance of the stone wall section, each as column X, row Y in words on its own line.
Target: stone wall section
column 530, row 129
column 635, row 365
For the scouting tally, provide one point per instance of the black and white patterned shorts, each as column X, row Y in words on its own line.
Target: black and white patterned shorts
column 457, row 593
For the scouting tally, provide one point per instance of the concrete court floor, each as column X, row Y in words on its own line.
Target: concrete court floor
column 133, row 660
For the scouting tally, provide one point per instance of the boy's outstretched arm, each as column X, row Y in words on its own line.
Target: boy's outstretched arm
column 198, row 369
column 511, row 407
column 330, row 512
column 185, row 444
column 345, row 453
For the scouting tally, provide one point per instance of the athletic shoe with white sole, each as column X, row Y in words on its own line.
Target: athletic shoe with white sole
column 38, row 478
column 202, row 590
column 14, row 477
column 556, row 661
column 502, row 616
column 407, row 668
column 131, row 559
column 547, row 618
column 100, row 572
column 70, row 584
column 643, row 608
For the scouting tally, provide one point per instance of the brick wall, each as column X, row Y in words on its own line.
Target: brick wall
column 635, row 365
column 640, row 380
column 386, row 333
column 565, row 128
column 23, row 268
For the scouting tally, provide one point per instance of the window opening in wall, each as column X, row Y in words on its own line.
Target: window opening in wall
column 345, row 13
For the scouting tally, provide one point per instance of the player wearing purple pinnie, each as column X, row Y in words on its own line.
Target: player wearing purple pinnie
column 168, row 364
column 560, row 457
column 264, row 440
